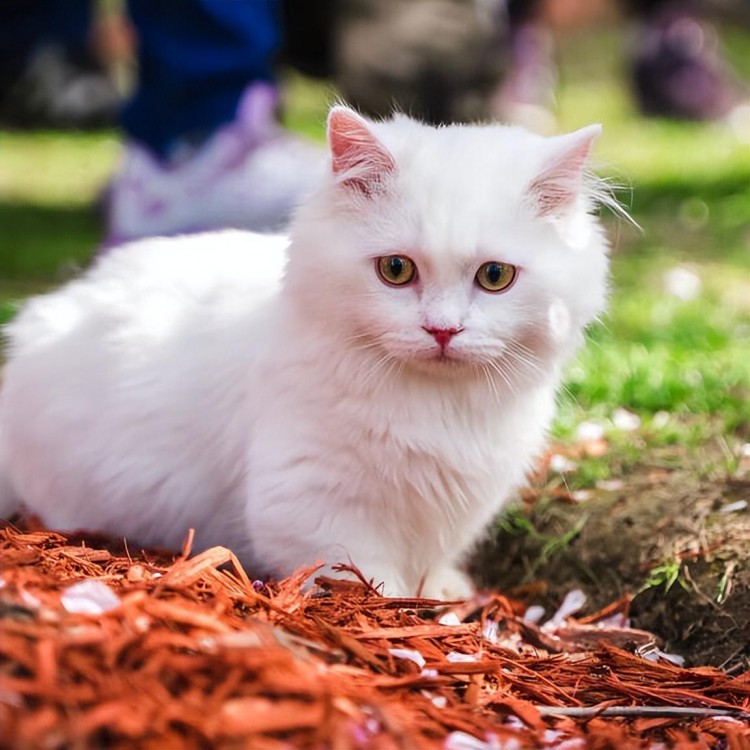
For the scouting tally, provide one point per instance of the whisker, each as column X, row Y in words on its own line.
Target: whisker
column 524, row 356
column 527, row 360
column 377, row 368
column 504, row 375
column 485, row 370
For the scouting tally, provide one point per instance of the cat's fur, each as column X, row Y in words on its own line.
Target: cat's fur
column 307, row 414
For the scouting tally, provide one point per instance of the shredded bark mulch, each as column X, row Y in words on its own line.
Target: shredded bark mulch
column 101, row 647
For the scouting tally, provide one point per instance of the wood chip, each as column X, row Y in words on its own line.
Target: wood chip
column 198, row 655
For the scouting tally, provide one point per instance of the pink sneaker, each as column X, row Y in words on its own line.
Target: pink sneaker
column 250, row 175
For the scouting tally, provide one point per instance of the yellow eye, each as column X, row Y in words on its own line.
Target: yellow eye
column 495, row 276
column 396, row 270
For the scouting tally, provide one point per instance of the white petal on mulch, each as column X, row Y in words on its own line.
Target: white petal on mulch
column 89, row 598
column 572, row 603
column 534, row 614
column 734, row 507
column 456, row 656
column 625, row 420
column 465, row 741
column 439, row 701
column 409, row 654
column 30, row 600
column 490, row 630
column 654, row 654
column 449, row 618
column 617, row 620
column 554, row 739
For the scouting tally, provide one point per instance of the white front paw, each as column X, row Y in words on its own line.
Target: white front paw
column 387, row 582
column 448, row 584
column 384, row 580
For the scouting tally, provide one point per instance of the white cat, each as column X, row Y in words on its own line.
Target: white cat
column 371, row 390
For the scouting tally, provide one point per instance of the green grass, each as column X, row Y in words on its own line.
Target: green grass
column 686, row 185
column 49, row 187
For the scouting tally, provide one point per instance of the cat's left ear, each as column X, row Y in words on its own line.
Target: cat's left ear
column 358, row 158
column 555, row 190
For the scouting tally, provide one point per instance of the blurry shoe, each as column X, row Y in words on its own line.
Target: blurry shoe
column 59, row 88
column 678, row 72
column 250, row 174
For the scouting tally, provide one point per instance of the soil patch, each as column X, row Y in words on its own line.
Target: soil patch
column 667, row 532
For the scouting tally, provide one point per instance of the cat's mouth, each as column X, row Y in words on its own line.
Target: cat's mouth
column 445, row 355
column 441, row 357
column 434, row 357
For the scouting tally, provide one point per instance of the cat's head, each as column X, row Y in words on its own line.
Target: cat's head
column 459, row 247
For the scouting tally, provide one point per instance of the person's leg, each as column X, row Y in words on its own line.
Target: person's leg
column 195, row 60
column 204, row 148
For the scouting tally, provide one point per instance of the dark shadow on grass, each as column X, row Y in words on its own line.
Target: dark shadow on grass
column 659, row 194
column 691, row 220
column 45, row 244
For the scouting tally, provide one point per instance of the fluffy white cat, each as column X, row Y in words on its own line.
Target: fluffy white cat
column 370, row 390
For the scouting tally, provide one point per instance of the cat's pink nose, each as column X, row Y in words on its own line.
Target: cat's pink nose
column 442, row 335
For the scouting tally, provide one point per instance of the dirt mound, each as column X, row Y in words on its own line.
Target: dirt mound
column 670, row 531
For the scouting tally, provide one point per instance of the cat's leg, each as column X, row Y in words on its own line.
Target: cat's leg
column 447, row 583
column 380, row 573
column 384, row 578
column 287, row 534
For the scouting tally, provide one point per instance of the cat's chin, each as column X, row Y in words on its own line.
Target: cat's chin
column 442, row 363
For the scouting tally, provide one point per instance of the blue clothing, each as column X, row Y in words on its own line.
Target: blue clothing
column 196, row 57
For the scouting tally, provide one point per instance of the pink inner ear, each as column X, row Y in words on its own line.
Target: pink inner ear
column 557, row 187
column 356, row 155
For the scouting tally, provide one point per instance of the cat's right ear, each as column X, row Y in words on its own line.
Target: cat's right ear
column 553, row 192
column 358, row 160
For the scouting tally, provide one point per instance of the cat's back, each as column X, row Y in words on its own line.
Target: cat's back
column 148, row 290
column 128, row 384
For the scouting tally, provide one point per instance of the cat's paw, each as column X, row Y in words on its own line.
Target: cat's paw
column 389, row 584
column 448, row 584
column 385, row 581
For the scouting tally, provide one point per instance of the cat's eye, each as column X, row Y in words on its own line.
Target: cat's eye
column 396, row 270
column 495, row 276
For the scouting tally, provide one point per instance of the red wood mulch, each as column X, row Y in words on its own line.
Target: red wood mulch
column 190, row 653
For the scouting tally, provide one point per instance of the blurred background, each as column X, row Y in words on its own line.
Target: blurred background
column 110, row 110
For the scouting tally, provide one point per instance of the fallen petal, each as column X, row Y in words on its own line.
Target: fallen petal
column 89, row 598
